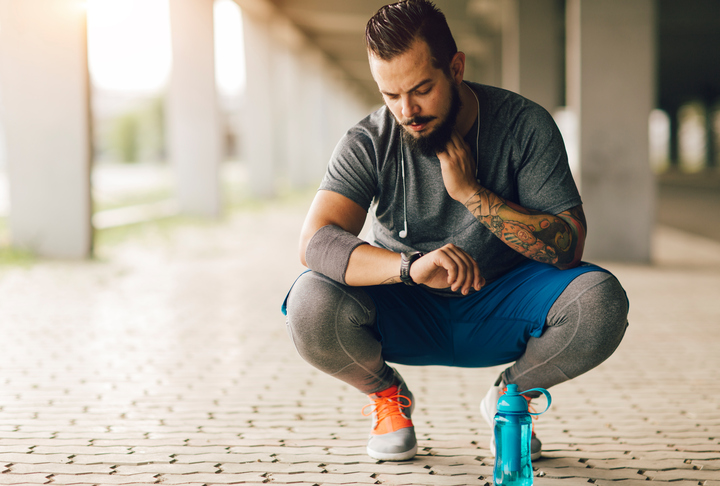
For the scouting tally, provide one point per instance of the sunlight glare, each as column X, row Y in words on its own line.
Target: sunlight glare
column 129, row 44
column 229, row 50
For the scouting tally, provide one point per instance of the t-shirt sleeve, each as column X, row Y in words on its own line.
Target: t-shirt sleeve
column 351, row 170
column 545, row 182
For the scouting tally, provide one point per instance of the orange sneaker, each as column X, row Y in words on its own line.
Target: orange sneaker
column 392, row 437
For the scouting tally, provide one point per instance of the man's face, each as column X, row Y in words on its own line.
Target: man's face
column 423, row 99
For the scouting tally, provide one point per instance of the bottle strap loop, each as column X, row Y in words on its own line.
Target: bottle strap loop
column 544, row 392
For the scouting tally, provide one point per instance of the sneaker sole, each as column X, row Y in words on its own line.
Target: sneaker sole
column 390, row 456
column 489, row 420
column 485, row 414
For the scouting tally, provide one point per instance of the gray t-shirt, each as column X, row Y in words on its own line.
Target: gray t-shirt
column 522, row 158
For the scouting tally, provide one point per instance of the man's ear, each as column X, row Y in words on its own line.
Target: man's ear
column 457, row 67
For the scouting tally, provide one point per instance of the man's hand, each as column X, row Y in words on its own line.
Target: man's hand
column 555, row 239
column 458, row 169
column 445, row 267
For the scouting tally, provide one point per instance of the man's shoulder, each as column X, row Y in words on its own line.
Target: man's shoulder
column 373, row 135
column 359, row 158
column 499, row 101
column 504, row 111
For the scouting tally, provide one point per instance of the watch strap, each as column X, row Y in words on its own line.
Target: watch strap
column 406, row 260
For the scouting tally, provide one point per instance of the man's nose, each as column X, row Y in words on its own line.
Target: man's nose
column 409, row 107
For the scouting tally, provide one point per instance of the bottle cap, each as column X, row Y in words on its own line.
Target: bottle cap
column 514, row 402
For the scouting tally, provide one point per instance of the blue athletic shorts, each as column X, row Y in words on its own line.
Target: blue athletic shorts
column 486, row 328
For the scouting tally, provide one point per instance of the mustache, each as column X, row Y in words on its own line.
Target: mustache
column 417, row 120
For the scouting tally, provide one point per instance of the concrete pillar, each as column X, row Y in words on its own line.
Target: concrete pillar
column 494, row 71
column 710, row 133
column 289, row 117
column 259, row 132
column 674, row 142
column 297, row 132
column 325, row 105
column 195, row 138
column 314, row 106
column 333, row 110
column 611, row 88
column 292, row 118
column 510, row 54
column 283, row 115
column 44, row 82
column 532, row 50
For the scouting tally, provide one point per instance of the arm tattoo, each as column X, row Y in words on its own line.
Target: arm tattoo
column 547, row 238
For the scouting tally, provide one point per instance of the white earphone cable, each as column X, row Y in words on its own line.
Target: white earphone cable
column 404, row 232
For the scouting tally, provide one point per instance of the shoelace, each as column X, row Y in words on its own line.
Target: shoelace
column 386, row 407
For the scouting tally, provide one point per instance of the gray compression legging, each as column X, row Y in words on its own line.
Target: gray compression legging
column 333, row 328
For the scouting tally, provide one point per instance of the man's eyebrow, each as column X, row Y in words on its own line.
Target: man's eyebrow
column 421, row 83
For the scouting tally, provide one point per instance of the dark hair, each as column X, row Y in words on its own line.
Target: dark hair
column 393, row 28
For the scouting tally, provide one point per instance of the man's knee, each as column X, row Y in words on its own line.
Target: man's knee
column 319, row 308
column 606, row 296
column 604, row 306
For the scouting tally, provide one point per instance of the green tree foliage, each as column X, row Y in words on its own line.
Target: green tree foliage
column 138, row 134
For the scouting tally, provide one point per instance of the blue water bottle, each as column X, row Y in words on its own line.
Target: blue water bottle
column 513, row 431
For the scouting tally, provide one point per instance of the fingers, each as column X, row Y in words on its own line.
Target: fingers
column 458, row 168
column 448, row 266
column 456, row 144
column 462, row 270
column 459, row 142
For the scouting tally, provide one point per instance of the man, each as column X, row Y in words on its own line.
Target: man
column 477, row 237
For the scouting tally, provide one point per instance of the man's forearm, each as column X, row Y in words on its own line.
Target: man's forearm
column 370, row 265
column 345, row 258
column 547, row 238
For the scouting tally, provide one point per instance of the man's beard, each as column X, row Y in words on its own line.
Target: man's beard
column 436, row 140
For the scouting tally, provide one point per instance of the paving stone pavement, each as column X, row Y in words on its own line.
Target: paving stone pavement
column 166, row 361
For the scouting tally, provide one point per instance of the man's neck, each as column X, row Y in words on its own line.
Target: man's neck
column 468, row 111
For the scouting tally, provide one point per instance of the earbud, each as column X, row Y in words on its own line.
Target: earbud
column 403, row 233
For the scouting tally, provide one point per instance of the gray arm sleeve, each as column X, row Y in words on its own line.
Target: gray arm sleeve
column 328, row 251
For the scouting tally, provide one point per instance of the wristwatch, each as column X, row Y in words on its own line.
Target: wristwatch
column 407, row 259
